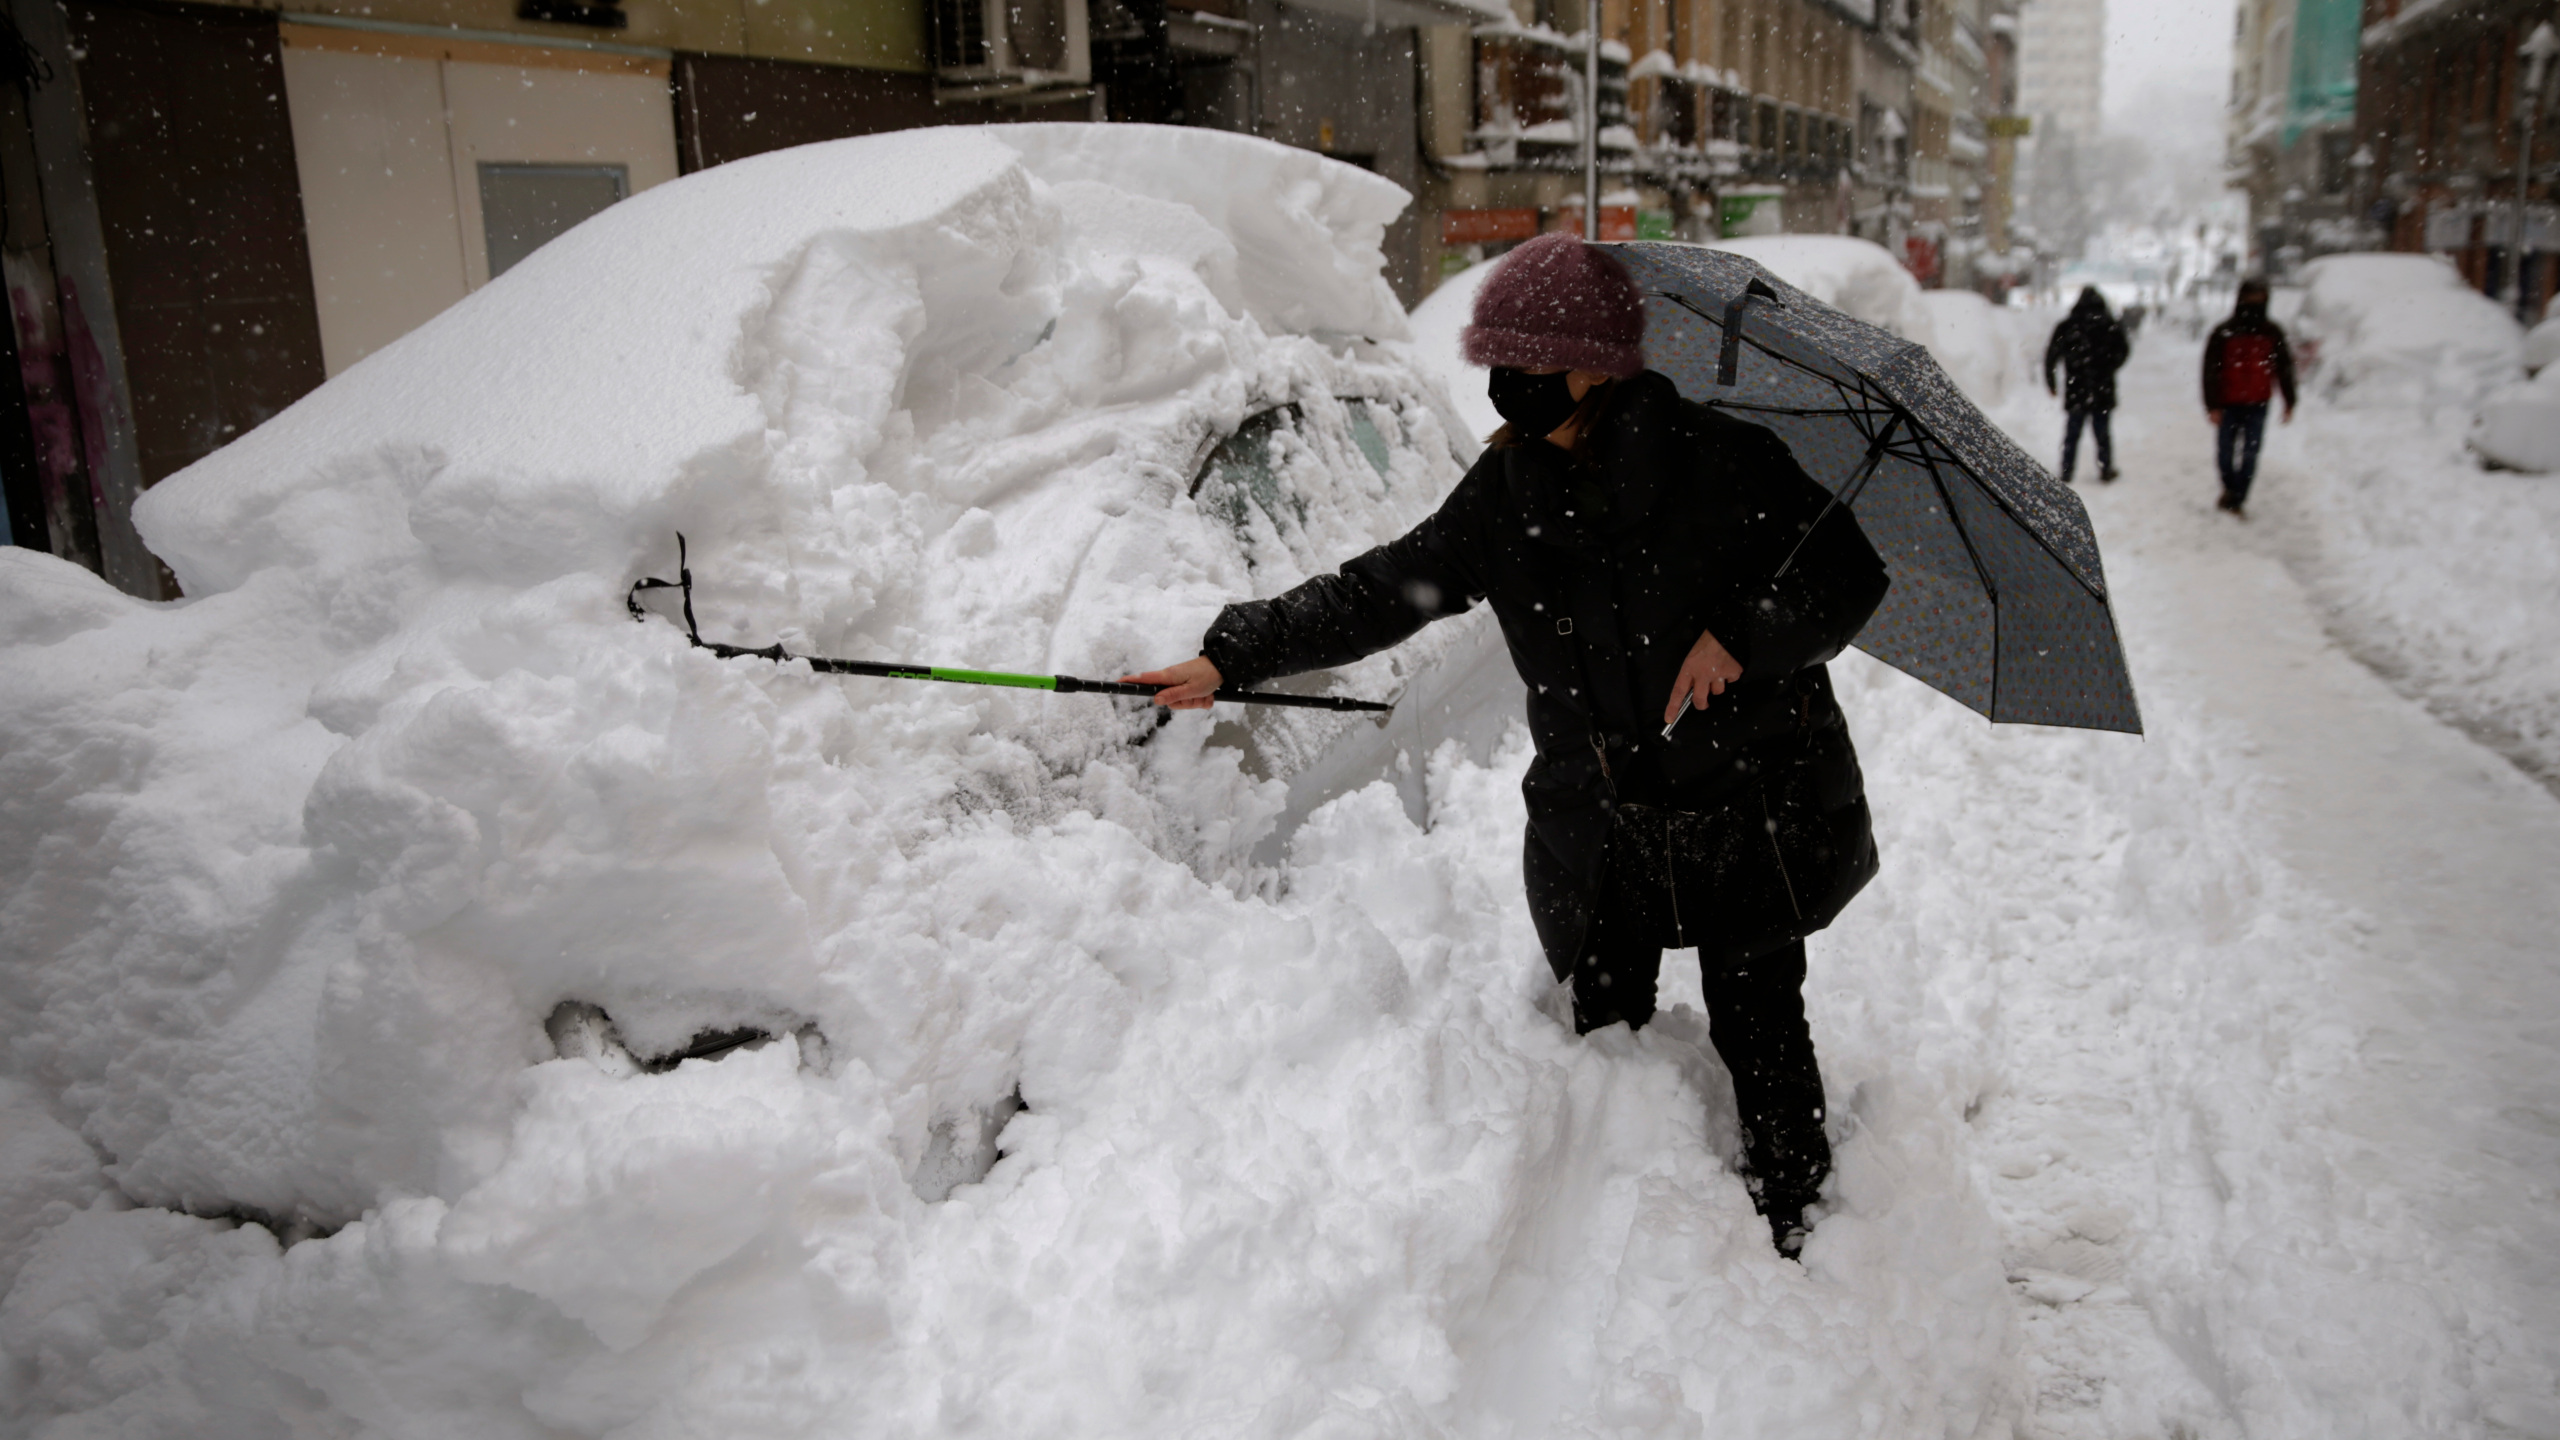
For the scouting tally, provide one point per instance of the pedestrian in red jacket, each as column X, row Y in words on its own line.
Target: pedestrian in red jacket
column 2246, row 361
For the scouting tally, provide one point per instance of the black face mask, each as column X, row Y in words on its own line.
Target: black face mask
column 1534, row 404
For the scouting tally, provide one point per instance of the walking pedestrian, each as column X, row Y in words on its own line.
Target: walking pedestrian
column 1646, row 557
column 2246, row 361
column 2090, row 347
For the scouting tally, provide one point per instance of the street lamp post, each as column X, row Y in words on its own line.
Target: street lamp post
column 2536, row 52
column 2360, row 191
column 1591, row 120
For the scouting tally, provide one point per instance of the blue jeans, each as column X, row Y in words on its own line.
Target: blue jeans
column 2097, row 421
column 2235, row 448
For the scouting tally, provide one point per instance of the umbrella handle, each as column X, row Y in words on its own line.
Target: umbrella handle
column 1731, row 361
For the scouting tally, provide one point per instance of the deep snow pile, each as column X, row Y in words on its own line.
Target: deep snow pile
column 2518, row 425
column 2402, row 332
column 299, row 869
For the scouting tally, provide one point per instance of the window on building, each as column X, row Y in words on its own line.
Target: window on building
column 2335, row 172
column 524, row 207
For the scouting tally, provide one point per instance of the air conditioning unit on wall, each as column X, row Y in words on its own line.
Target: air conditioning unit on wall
column 990, row 49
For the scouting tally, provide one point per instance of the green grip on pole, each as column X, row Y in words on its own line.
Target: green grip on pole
column 996, row 677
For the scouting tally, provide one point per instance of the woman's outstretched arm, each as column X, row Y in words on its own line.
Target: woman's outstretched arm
column 1375, row 600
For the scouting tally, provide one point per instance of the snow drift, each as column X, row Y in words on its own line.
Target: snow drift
column 2403, row 330
column 2518, row 426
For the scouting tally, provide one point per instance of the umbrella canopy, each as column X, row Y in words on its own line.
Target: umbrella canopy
column 1998, row 596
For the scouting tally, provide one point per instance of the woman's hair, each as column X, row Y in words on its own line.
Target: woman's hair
column 1593, row 401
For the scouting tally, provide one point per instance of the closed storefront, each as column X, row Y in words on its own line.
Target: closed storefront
column 429, row 167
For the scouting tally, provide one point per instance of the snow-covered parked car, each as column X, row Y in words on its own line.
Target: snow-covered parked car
column 2518, row 426
column 2403, row 330
column 311, row 878
column 2542, row 342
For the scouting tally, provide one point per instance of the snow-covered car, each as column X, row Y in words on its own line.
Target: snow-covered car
column 400, row 803
column 2394, row 330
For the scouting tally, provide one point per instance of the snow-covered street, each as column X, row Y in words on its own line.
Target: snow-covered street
column 2343, row 1150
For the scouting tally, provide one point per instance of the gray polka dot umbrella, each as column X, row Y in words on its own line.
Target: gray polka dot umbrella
column 1998, row 595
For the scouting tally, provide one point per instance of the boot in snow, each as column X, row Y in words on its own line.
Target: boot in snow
column 1788, row 1227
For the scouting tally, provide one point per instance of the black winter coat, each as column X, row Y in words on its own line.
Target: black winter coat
column 2090, row 347
column 1603, row 568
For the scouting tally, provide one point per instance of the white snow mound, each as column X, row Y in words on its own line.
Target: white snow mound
column 1436, row 323
column 2518, row 426
column 317, row 889
column 2404, row 330
column 1975, row 342
column 2542, row 345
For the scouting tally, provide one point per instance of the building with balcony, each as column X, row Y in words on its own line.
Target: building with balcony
column 2062, row 52
column 2445, row 136
column 1713, row 118
column 1958, row 96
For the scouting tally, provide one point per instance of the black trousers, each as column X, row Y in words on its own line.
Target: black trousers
column 2099, row 423
column 1650, row 901
column 2235, row 448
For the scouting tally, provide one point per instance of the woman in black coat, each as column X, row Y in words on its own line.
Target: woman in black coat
column 2090, row 347
column 1669, row 599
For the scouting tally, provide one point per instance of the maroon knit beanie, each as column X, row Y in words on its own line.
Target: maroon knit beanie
column 1558, row 302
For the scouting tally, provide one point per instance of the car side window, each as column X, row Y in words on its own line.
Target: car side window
column 1262, row 479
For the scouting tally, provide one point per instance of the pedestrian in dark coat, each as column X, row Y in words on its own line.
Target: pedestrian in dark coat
column 1650, row 561
column 2090, row 347
column 2246, row 363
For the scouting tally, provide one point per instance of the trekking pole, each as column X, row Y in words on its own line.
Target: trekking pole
column 890, row 670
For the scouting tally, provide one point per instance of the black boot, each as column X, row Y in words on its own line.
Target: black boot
column 1788, row 1229
column 1755, row 1015
column 1784, row 1174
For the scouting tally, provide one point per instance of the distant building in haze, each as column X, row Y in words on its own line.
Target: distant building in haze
column 2062, row 58
column 2062, row 61
column 2290, row 128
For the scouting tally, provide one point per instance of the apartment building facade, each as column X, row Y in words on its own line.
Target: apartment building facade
column 2448, row 137
column 1725, row 117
